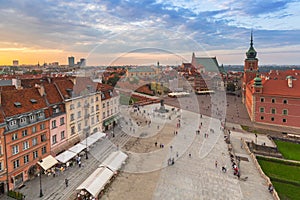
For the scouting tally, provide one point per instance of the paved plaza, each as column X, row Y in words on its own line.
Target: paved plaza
column 148, row 173
column 194, row 174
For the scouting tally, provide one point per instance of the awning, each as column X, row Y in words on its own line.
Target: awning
column 115, row 160
column 48, row 162
column 92, row 138
column 98, row 135
column 96, row 181
column 77, row 148
column 88, row 141
column 110, row 120
column 65, row 156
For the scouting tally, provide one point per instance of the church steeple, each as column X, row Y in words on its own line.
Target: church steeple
column 251, row 41
column 251, row 53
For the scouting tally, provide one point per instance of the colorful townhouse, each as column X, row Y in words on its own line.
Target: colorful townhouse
column 82, row 106
column 110, row 106
column 26, row 136
column 58, row 139
column 3, row 168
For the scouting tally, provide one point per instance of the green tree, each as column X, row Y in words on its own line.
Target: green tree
column 230, row 87
column 113, row 81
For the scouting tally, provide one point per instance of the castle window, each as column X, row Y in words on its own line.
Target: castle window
column 262, row 117
column 285, row 112
column 262, row 109
column 272, row 119
column 273, row 101
column 262, row 99
column 273, row 110
column 284, row 120
column 284, row 101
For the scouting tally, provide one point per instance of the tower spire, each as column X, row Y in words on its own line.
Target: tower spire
column 251, row 41
column 251, row 53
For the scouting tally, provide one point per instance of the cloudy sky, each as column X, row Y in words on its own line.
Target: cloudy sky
column 112, row 32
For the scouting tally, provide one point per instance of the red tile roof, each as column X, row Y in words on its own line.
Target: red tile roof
column 82, row 84
column 282, row 74
column 52, row 94
column 7, row 87
column 8, row 98
column 63, row 86
column 105, row 89
column 279, row 87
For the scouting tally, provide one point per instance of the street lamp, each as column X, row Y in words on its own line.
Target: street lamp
column 86, row 145
column 255, row 138
column 41, row 190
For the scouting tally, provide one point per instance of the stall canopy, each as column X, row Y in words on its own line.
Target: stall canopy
column 93, row 138
column 88, row 141
column 98, row 135
column 65, row 156
column 96, row 181
column 77, row 148
column 48, row 162
column 115, row 160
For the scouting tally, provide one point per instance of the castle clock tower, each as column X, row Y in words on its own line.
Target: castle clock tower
column 250, row 66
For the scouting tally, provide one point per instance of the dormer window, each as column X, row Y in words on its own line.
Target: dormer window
column 110, row 93
column 13, row 122
column 55, row 109
column 102, row 95
column 23, row 120
column 31, row 117
column 17, row 104
column 33, row 101
column 40, row 114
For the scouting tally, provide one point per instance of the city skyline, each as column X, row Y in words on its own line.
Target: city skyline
column 127, row 32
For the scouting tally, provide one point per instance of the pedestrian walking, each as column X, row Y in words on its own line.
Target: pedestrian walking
column 155, row 144
column 190, row 155
column 66, row 182
column 79, row 163
column 216, row 164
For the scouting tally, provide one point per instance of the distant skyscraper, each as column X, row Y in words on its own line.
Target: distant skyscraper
column 82, row 62
column 71, row 61
column 15, row 63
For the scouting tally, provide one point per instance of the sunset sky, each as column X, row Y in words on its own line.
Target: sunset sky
column 112, row 32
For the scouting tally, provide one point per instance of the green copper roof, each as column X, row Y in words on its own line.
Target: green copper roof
column 257, row 81
column 251, row 53
column 210, row 64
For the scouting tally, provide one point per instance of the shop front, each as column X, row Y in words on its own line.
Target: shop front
column 109, row 123
column 18, row 180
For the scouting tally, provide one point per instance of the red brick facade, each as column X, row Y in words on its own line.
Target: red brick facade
column 271, row 98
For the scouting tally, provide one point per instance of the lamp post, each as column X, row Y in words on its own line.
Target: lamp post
column 41, row 190
column 86, row 145
column 255, row 138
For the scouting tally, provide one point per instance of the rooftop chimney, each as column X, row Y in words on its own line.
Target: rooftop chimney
column 290, row 82
column 41, row 89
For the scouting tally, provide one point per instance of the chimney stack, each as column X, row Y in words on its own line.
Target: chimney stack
column 290, row 82
column 41, row 89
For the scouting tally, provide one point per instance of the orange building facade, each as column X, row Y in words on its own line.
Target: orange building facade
column 26, row 134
